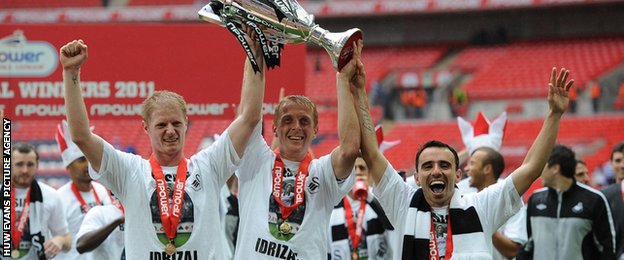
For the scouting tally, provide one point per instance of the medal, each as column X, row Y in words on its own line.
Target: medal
column 354, row 256
column 285, row 228
column 170, row 249
column 15, row 254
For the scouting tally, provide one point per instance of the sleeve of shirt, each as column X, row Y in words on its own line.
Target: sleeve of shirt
column 603, row 228
column 497, row 203
column 254, row 154
column 336, row 189
column 393, row 195
column 92, row 221
column 57, row 222
column 102, row 194
column 117, row 169
column 219, row 160
column 515, row 227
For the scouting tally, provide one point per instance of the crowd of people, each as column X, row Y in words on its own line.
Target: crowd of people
column 241, row 198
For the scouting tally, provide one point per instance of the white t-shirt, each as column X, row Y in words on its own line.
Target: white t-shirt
column 494, row 205
column 200, row 233
column 322, row 192
column 52, row 223
column 514, row 229
column 96, row 218
column 75, row 213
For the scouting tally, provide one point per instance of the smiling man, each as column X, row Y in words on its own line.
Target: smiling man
column 468, row 221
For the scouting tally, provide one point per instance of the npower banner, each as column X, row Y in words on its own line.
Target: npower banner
column 128, row 62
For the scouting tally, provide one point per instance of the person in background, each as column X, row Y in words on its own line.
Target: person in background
column 80, row 194
column 567, row 219
column 615, row 196
column 581, row 174
column 39, row 225
column 359, row 228
column 485, row 167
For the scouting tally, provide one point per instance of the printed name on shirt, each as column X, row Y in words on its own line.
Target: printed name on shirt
column 276, row 250
column 179, row 255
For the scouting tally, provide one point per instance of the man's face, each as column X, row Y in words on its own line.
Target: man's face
column 361, row 170
column 617, row 162
column 474, row 167
column 581, row 174
column 166, row 129
column 437, row 175
column 295, row 130
column 79, row 170
column 24, row 166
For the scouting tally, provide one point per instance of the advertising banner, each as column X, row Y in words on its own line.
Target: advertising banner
column 128, row 62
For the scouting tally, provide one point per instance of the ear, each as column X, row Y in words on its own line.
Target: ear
column 487, row 169
column 556, row 169
column 416, row 178
column 458, row 175
column 274, row 130
column 145, row 127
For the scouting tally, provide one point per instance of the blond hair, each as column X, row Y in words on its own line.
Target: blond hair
column 162, row 98
column 297, row 99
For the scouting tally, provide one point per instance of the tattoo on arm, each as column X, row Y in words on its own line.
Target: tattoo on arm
column 75, row 80
column 366, row 118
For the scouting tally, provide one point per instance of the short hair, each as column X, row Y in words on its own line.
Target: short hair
column 579, row 161
column 564, row 157
column 25, row 148
column 436, row 143
column 159, row 98
column 297, row 99
column 618, row 148
column 493, row 158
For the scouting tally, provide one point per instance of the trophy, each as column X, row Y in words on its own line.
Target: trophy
column 278, row 22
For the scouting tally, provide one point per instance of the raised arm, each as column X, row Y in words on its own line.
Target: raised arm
column 343, row 157
column 537, row 156
column 72, row 56
column 92, row 239
column 252, row 95
column 376, row 162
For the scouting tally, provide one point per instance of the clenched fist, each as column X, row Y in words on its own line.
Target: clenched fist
column 73, row 54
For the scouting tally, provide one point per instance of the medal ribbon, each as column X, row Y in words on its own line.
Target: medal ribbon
column 83, row 204
column 170, row 213
column 117, row 204
column 355, row 229
column 16, row 233
column 300, row 178
column 434, row 254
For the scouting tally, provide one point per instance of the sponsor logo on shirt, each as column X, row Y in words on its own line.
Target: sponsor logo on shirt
column 276, row 250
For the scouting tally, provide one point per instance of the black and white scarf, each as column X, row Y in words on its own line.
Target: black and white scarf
column 469, row 241
column 35, row 220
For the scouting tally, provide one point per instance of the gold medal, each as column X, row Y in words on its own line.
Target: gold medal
column 15, row 254
column 285, row 228
column 354, row 256
column 170, row 249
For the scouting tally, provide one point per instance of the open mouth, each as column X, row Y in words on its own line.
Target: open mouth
column 437, row 186
column 295, row 138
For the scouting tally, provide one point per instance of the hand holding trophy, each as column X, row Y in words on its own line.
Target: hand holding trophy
column 276, row 23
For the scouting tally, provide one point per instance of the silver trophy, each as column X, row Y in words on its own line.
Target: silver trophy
column 282, row 21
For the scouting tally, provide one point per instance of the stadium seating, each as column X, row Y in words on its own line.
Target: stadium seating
column 519, row 70
column 6, row 4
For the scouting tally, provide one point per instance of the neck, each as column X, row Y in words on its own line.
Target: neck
column 165, row 159
column 295, row 157
column 562, row 183
column 487, row 184
column 618, row 180
column 82, row 186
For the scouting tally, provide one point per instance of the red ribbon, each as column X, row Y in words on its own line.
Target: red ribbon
column 170, row 213
column 300, row 178
column 434, row 254
column 83, row 204
column 16, row 233
column 355, row 229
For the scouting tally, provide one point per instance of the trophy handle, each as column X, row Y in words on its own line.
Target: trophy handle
column 339, row 46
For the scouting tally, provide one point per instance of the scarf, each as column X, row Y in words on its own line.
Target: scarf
column 468, row 239
column 36, row 219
